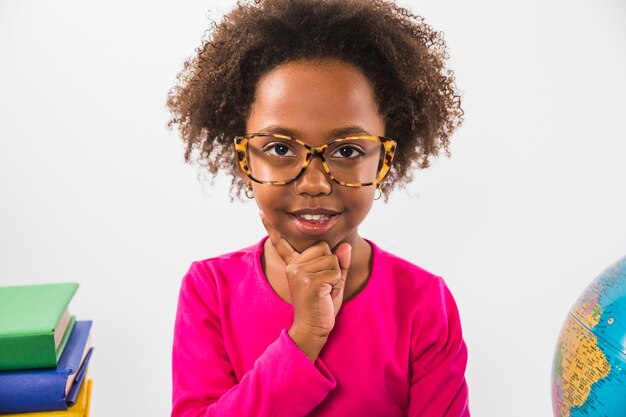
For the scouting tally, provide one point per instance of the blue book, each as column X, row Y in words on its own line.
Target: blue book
column 51, row 388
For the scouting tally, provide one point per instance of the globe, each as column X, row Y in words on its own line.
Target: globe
column 589, row 365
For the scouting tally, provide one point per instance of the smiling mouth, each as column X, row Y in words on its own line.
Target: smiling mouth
column 311, row 222
column 314, row 218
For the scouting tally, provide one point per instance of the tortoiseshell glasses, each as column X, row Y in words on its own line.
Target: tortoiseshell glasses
column 353, row 161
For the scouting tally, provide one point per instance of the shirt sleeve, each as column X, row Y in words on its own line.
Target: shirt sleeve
column 438, row 358
column 283, row 381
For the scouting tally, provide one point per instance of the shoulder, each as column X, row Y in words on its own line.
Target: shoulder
column 410, row 286
column 207, row 272
column 404, row 274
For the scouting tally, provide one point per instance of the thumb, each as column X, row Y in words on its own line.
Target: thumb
column 344, row 254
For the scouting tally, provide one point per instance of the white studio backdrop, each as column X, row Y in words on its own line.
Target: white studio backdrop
column 529, row 209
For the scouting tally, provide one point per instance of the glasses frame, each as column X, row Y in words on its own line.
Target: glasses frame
column 241, row 146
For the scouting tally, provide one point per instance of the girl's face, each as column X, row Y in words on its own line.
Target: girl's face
column 315, row 101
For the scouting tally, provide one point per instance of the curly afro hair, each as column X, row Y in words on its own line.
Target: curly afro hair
column 398, row 52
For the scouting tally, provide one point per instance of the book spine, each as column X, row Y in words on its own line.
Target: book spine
column 22, row 392
column 66, row 337
column 80, row 409
column 28, row 351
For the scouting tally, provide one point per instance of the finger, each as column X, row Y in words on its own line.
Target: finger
column 284, row 248
column 316, row 250
column 343, row 254
column 319, row 264
column 338, row 290
column 327, row 277
column 331, row 278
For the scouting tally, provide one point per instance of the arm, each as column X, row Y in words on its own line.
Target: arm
column 283, row 380
column 438, row 358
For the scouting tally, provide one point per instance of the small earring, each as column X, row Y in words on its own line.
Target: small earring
column 249, row 192
column 380, row 193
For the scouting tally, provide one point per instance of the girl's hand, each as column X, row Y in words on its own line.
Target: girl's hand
column 316, row 279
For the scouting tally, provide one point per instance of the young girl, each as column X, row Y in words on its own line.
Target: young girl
column 316, row 108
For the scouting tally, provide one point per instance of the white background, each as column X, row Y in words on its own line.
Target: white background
column 529, row 209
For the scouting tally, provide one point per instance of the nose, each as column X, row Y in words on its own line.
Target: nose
column 314, row 181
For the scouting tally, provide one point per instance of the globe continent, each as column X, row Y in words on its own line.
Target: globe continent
column 589, row 367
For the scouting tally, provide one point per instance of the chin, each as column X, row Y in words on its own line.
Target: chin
column 300, row 243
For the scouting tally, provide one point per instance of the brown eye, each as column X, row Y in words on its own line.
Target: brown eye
column 347, row 152
column 278, row 149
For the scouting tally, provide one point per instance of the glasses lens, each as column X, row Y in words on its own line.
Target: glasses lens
column 356, row 161
column 350, row 160
column 275, row 159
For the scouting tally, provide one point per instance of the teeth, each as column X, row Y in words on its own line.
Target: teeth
column 313, row 216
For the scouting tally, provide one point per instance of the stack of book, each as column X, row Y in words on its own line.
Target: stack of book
column 44, row 353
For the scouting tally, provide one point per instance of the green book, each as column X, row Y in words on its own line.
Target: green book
column 34, row 324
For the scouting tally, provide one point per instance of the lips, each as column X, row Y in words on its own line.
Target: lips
column 316, row 211
column 314, row 221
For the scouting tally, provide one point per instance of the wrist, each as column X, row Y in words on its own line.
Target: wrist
column 310, row 344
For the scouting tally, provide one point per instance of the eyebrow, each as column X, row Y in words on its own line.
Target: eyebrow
column 336, row 133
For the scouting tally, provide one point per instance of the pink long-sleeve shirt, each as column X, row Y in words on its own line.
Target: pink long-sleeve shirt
column 396, row 348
